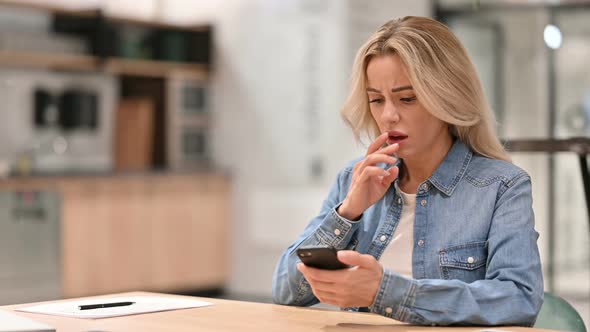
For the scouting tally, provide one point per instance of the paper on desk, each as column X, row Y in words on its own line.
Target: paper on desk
column 143, row 304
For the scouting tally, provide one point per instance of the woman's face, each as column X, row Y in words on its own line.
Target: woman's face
column 397, row 110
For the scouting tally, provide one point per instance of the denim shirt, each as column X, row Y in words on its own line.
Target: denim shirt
column 475, row 257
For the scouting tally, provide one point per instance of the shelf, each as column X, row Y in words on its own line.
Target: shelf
column 48, row 60
column 152, row 68
column 119, row 66
column 101, row 31
column 579, row 145
column 51, row 177
column 95, row 12
column 82, row 12
column 155, row 24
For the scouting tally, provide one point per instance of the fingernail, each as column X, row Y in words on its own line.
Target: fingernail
column 386, row 173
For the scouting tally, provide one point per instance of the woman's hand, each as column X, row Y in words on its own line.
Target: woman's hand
column 353, row 287
column 369, row 182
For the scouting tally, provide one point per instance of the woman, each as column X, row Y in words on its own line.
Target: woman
column 442, row 233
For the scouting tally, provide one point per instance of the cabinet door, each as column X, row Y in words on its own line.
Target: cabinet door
column 190, row 240
column 87, row 247
column 162, row 233
column 29, row 246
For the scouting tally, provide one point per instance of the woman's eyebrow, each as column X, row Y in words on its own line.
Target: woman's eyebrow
column 402, row 88
column 398, row 89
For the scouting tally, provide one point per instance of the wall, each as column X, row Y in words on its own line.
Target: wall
column 281, row 76
column 525, row 84
column 572, row 119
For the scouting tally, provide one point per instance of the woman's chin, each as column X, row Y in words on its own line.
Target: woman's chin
column 403, row 153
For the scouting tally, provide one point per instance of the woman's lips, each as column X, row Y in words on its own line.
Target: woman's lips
column 396, row 137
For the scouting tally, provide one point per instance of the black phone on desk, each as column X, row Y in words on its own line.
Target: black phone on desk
column 320, row 258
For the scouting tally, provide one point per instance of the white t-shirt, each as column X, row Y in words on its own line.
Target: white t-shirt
column 397, row 257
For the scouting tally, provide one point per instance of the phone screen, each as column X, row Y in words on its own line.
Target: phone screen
column 320, row 258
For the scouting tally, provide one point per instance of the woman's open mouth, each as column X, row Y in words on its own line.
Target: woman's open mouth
column 395, row 137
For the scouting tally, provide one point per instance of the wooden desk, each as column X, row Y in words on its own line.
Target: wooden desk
column 239, row 316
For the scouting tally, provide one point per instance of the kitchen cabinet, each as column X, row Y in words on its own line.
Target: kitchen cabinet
column 165, row 232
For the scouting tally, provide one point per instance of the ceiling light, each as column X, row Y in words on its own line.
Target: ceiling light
column 552, row 36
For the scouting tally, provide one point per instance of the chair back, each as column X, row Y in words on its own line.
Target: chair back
column 557, row 314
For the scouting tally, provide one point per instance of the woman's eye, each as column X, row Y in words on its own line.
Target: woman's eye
column 408, row 100
column 376, row 100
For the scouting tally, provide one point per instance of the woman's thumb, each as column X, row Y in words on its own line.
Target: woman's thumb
column 353, row 258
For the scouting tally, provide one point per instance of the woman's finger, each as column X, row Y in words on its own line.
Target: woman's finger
column 380, row 153
column 390, row 149
column 379, row 158
column 393, row 173
column 373, row 171
column 377, row 143
column 325, row 288
column 333, row 300
column 372, row 160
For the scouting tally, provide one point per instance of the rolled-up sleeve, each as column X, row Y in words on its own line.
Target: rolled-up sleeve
column 326, row 229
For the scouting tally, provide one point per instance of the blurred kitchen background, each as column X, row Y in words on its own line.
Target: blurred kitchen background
column 181, row 145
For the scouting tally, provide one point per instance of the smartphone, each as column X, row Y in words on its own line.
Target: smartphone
column 320, row 258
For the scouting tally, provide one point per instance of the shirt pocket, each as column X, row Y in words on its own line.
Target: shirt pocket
column 466, row 262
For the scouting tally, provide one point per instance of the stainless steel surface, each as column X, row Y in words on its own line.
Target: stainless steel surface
column 30, row 266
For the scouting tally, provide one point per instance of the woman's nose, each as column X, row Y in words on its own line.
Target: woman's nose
column 390, row 113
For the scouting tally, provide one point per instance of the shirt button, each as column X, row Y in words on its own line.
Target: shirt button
column 337, row 231
column 470, row 260
column 420, row 243
column 423, row 202
column 388, row 310
column 425, row 186
column 399, row 200
column 383, row 238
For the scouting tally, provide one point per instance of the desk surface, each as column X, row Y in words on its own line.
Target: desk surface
column 227, row 315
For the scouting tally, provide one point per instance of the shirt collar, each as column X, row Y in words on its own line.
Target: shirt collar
column 452, row 169
column 448, row 174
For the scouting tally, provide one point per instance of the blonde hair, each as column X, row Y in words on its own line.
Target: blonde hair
column 442, row 75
